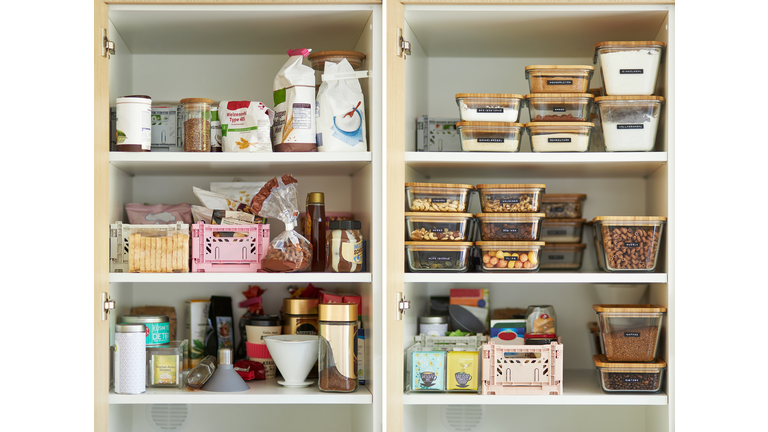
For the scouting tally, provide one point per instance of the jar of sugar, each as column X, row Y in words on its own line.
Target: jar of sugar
column 629, row 122
column 629, row 67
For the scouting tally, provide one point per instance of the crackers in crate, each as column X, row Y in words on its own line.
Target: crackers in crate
column 149, row 248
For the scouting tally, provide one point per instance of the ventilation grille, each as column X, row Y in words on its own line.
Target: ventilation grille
column 463, row 418
column 168, row 417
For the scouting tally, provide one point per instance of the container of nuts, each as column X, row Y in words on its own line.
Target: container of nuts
column 562, row 230
column 629, row 333
column 511, row 198
column 437, row 226
column 510, row 226
column 629, row 243
column 629, row 377
column 563, row 205
column 517, row 256
column 430, row 256
column 437, row 197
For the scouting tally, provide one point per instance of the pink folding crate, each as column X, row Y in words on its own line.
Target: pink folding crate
column 241, row 254
column 522, row 369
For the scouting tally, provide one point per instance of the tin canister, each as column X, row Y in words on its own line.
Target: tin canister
column 300, row 316
column 157, row 327
column 134, row 123
column 130, row 359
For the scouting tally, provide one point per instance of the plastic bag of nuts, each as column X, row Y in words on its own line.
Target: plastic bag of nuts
column 289, row 251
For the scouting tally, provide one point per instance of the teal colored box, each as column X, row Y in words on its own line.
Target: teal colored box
column 427, row 370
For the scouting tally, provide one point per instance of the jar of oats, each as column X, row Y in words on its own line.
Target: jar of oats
column 196, row 120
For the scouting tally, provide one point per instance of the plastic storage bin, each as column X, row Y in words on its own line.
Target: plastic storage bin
column 629, row 333
column 228, row 248
column 443, row 257
column 563, row 205
column 511, row 198
column 437, row 197
column 562, row 230
column 509, row 256
column 560, row 107
column 629, row 243
column 558, row 78
column 490, row 136
column 629, row 67
column 149, row 248
column 629, row 122
column 489, row 107
column 562, row 256
column 560, row 136
column 522, row 369
column 629, row 377
column 510, row 226
column 423, row 359
column 437, row 226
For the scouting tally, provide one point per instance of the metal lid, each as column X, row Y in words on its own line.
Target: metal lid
column 145, row 319
column 130, row 328
column 315, row 198
column 225, row 356
column 344, row 225
column 433, row 320
column 135, row 96
column 337, row 312
column 300, row 306
column 263, row 320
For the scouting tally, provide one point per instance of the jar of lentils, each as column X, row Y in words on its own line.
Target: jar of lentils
column 196, row 117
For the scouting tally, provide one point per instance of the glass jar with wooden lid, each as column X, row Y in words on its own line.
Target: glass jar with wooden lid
column 196, row 120
column 558, row 78
column 489, row 107
column 629, row 67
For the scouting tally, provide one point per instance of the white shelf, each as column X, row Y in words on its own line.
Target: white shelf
column 302, row 277
column 537, row 165
column 260, row 392
column 538, row 277
column 580, row 387
column 180, row 163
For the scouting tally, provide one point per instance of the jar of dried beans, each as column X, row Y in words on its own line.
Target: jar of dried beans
column 337, row 352
column 196, row 117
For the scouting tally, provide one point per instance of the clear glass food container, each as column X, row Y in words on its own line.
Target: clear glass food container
column 489, row 107
column 437, row 197
column 558, row 78
column 437, row 226
column 629, row 123
column 510, row 226
column 562, row 230
column 196, row 120
column 562, row 256
column 438, row 257
column 560, row 136
column 629, row 333
column 563, row 205
column 490, row 136
column 559, row 107
column 629, row 243
column 598, row 253
column 511, row 198
column 509, row 256
column 629, row 377
column 629, row 67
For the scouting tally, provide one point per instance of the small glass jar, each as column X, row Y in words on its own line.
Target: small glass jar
column 540, row 320
column 433, row 325
column 196, row 118
column 337, row 348
column 345, row 247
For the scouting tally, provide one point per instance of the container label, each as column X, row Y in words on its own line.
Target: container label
column 631, row 334
column 511, row 258
column 631, row 380
column 509, row 230
column 490, row 140
column 158, row 333
column 225, row 332
column 438, row 230
column 559, row 140
column 490, row 110
column 559, row 209
column 559, row 82
column 439, row 200
column 302, row 116
column 438, row 258
column 559, row 109
column 629, row 126
column 556, row 257
column 557, row 232
column 510, row 200
column 631, row 244
column 630, row 71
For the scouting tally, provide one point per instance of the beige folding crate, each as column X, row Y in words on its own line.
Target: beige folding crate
column 522, row 369
column 149, row 248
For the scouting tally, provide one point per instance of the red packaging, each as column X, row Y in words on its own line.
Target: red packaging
column 249, row 370
column 326, row 297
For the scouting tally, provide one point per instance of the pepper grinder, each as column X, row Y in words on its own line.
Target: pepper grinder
column 225, row 379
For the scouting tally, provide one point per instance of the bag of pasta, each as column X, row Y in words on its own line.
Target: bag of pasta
column 289, row 251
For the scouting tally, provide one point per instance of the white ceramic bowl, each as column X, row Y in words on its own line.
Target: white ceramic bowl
column 620, row 293
column 294, row 356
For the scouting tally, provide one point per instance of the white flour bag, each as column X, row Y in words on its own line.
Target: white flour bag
column 341, row 109
column 245, row 126
column 294, row 95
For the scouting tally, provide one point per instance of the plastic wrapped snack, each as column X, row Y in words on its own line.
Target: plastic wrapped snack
column 217, row 201
column 289, row 251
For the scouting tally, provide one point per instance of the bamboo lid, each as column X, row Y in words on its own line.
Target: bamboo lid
column 510, row 215
column 509, row 244
column 550, row 197
column 338, row 53
column 630, row 44
column 196, row 100
column 563, row 221
column 440, row 246
column 560, row 95
column 489, row 95
column 439, row 185
column 486, row 124
column 560, row 67
column 435, row 215
column 629, row 219
column 629, row 308
column 511, row 186
column 629, row 98
column 560, row 124
column 602, row 362
column 552, row 246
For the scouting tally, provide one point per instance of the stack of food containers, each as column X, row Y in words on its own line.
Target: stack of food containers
column 437, row 227
column 562, row 231
column 559, row 107
column 489, row 122
column 629, row 338
column 510, row 227
column 629, row 111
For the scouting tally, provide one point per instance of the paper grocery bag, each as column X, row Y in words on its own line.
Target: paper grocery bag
column 341, row 110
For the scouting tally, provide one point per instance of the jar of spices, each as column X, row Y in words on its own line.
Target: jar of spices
column 196, row 117
column 433, row 325
column 337, row 348
column 345, row 246
column 300, row 316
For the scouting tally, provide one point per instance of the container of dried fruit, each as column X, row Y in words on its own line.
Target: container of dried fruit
column 490, row 136
column 562, row 230
column 489, row 107
column 629, row 67
column 562, row 256
column 563, row 205
column 558, row 78
column 560, row 136
column 437, row 197
column 629, row 377
column 629, row 123
column 508, row 256
column 510, row 226
column 427, row 256
column 559, row 107
column 629, row 243
column 422, row 226
column 317, row 59
column 629, row 333
column 511, row 198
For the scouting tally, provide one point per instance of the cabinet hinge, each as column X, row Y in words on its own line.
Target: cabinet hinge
column 107, row 305
column 402, row 306
column 403, row 46
column 107, row 46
